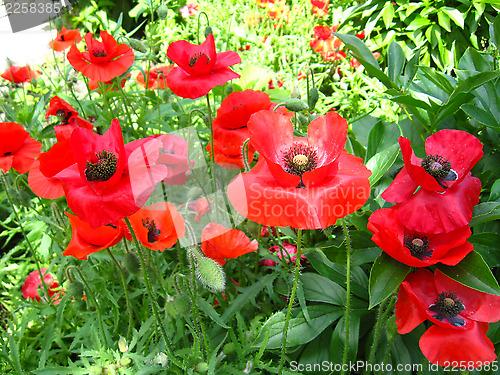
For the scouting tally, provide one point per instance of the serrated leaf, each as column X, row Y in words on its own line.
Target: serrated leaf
column 210, row 311
column 385, row 277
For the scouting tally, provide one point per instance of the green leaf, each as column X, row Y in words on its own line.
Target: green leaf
column 300, row 332
column 395, row 61
column 388, row 14
column 385, row 277
column 444, row 21
column 455, row 15
column 474, row 273
column 484, row 212
column 339, row 337
column 319, row 288
column 484, row 117
column 208, row 309
column 495, row 31
column 374, row 139
column 488, row 246
column 381, row 162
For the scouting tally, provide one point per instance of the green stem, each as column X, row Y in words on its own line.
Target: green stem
column 348, row 294
column 127, row 297
column 152, row 298
column 376, row 332
column 211, row 129
column 290, row 302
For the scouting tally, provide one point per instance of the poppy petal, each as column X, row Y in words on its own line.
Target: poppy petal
column 401, row 189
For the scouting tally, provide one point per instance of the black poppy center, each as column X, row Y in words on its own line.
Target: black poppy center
column 104, row 168
column 447, row 306
column 196, row 57
column 7, row 153
column 437, row 166
column 418, row 245
column 62, row 38
column 153, row 232
column 99, row 53
column 300, row 158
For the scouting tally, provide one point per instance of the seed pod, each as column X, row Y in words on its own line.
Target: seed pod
column 132, row 263
column 296, row 105
column 162, row 11
column 138, row 45
column 211, row 274
column 313, row 97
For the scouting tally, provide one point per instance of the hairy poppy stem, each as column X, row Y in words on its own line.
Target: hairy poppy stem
column 290, row 301
column 348, row 295
column 127, row 297
column 152, row 297
column 30, row 246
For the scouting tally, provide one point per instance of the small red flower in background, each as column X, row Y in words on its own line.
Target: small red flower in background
column 354, row 63
column 278, row 11
column 320, row 7
column 68, row 117
column 189, row 10
column 288, row 253
column 326, row 43
column 301, row 75
column 230, row 125
column 264, row 231
column 19, row 74
column 65, row 39
column 460, row 316
column 270, row 85
column 41, row 176
column 158, row 226
column 174, row 155
column 17, row 149
column 221, row 243
column 201, row 207
column 417, row 249
column 362, row 35
column 104, row 60
column 110, row 180
column 302, row 182
column 200, row 67
column 86, row 240
column 33, row 284
column 157, row 78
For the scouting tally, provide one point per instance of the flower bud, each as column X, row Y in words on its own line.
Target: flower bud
column 58, row 23
column 302, row 119
column 208, row 31
column 313, row 97
column 295, row 94
column 202, row 368
column 182, row 304
column 132, row 263
column 166, row 95
column 122, row 344
column 176, row 106
column 81, row 305
column 296, row 105
column 229, row 89
column 211, row 274
column 229, row 348
column 75, row 289
column 138, row 45
column 194, row 193
column 162, row 11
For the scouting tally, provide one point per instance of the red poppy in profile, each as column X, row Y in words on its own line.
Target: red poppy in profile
column 20, row 74
column 221, row 243
column 326, row 43
column 68, row 118
column 230, row 125
column 460, row 316
column 41, row 176
column 102, row 61
column 65, row 39
column 305, row 183
column 158, row 226
column 17, row 149
column 417, row 249
column 157, row 78
column 110, row 180
column 33, row 288
column 173, row 154
column 320, row 7
column 287, row 252
column 201, row 207
column 451, row 154
column 87, row 240
column 200, row 67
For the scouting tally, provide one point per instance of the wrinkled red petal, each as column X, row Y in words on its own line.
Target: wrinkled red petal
column 401, row 189
column 26, row 155
column 408, row 313
column 236, row 109
column 13, row 137
column 192, row 58
column 42, row 186
column 226, row 58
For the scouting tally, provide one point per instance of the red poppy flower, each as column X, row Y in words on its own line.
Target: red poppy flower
column 17, row 149
column 102, row 61
column 157, row 78
column 287, row 252
column 451, row 154
column 173, row 154
column 41, row 176
column 230, row 125
column 110, row 180
column 221, row 243
column 200, row 68
column 417, row 249
column 158, row 226
column 201, row 207
column 326, row 43
column 68, row 117
column 87, row 240
column 305, row 183
column 19, row 74
column 320, row 7
column 65, row 39
column 460, row 316
column 264, row 231
column 33, row 284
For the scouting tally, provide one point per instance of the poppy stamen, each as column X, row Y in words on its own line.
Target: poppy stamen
column 196, row 57
column 300, row 158
column 437, row 166
column 104, row 168
column 447, row 306
column 99, row 53
column 153, row 232
column 418, row 246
